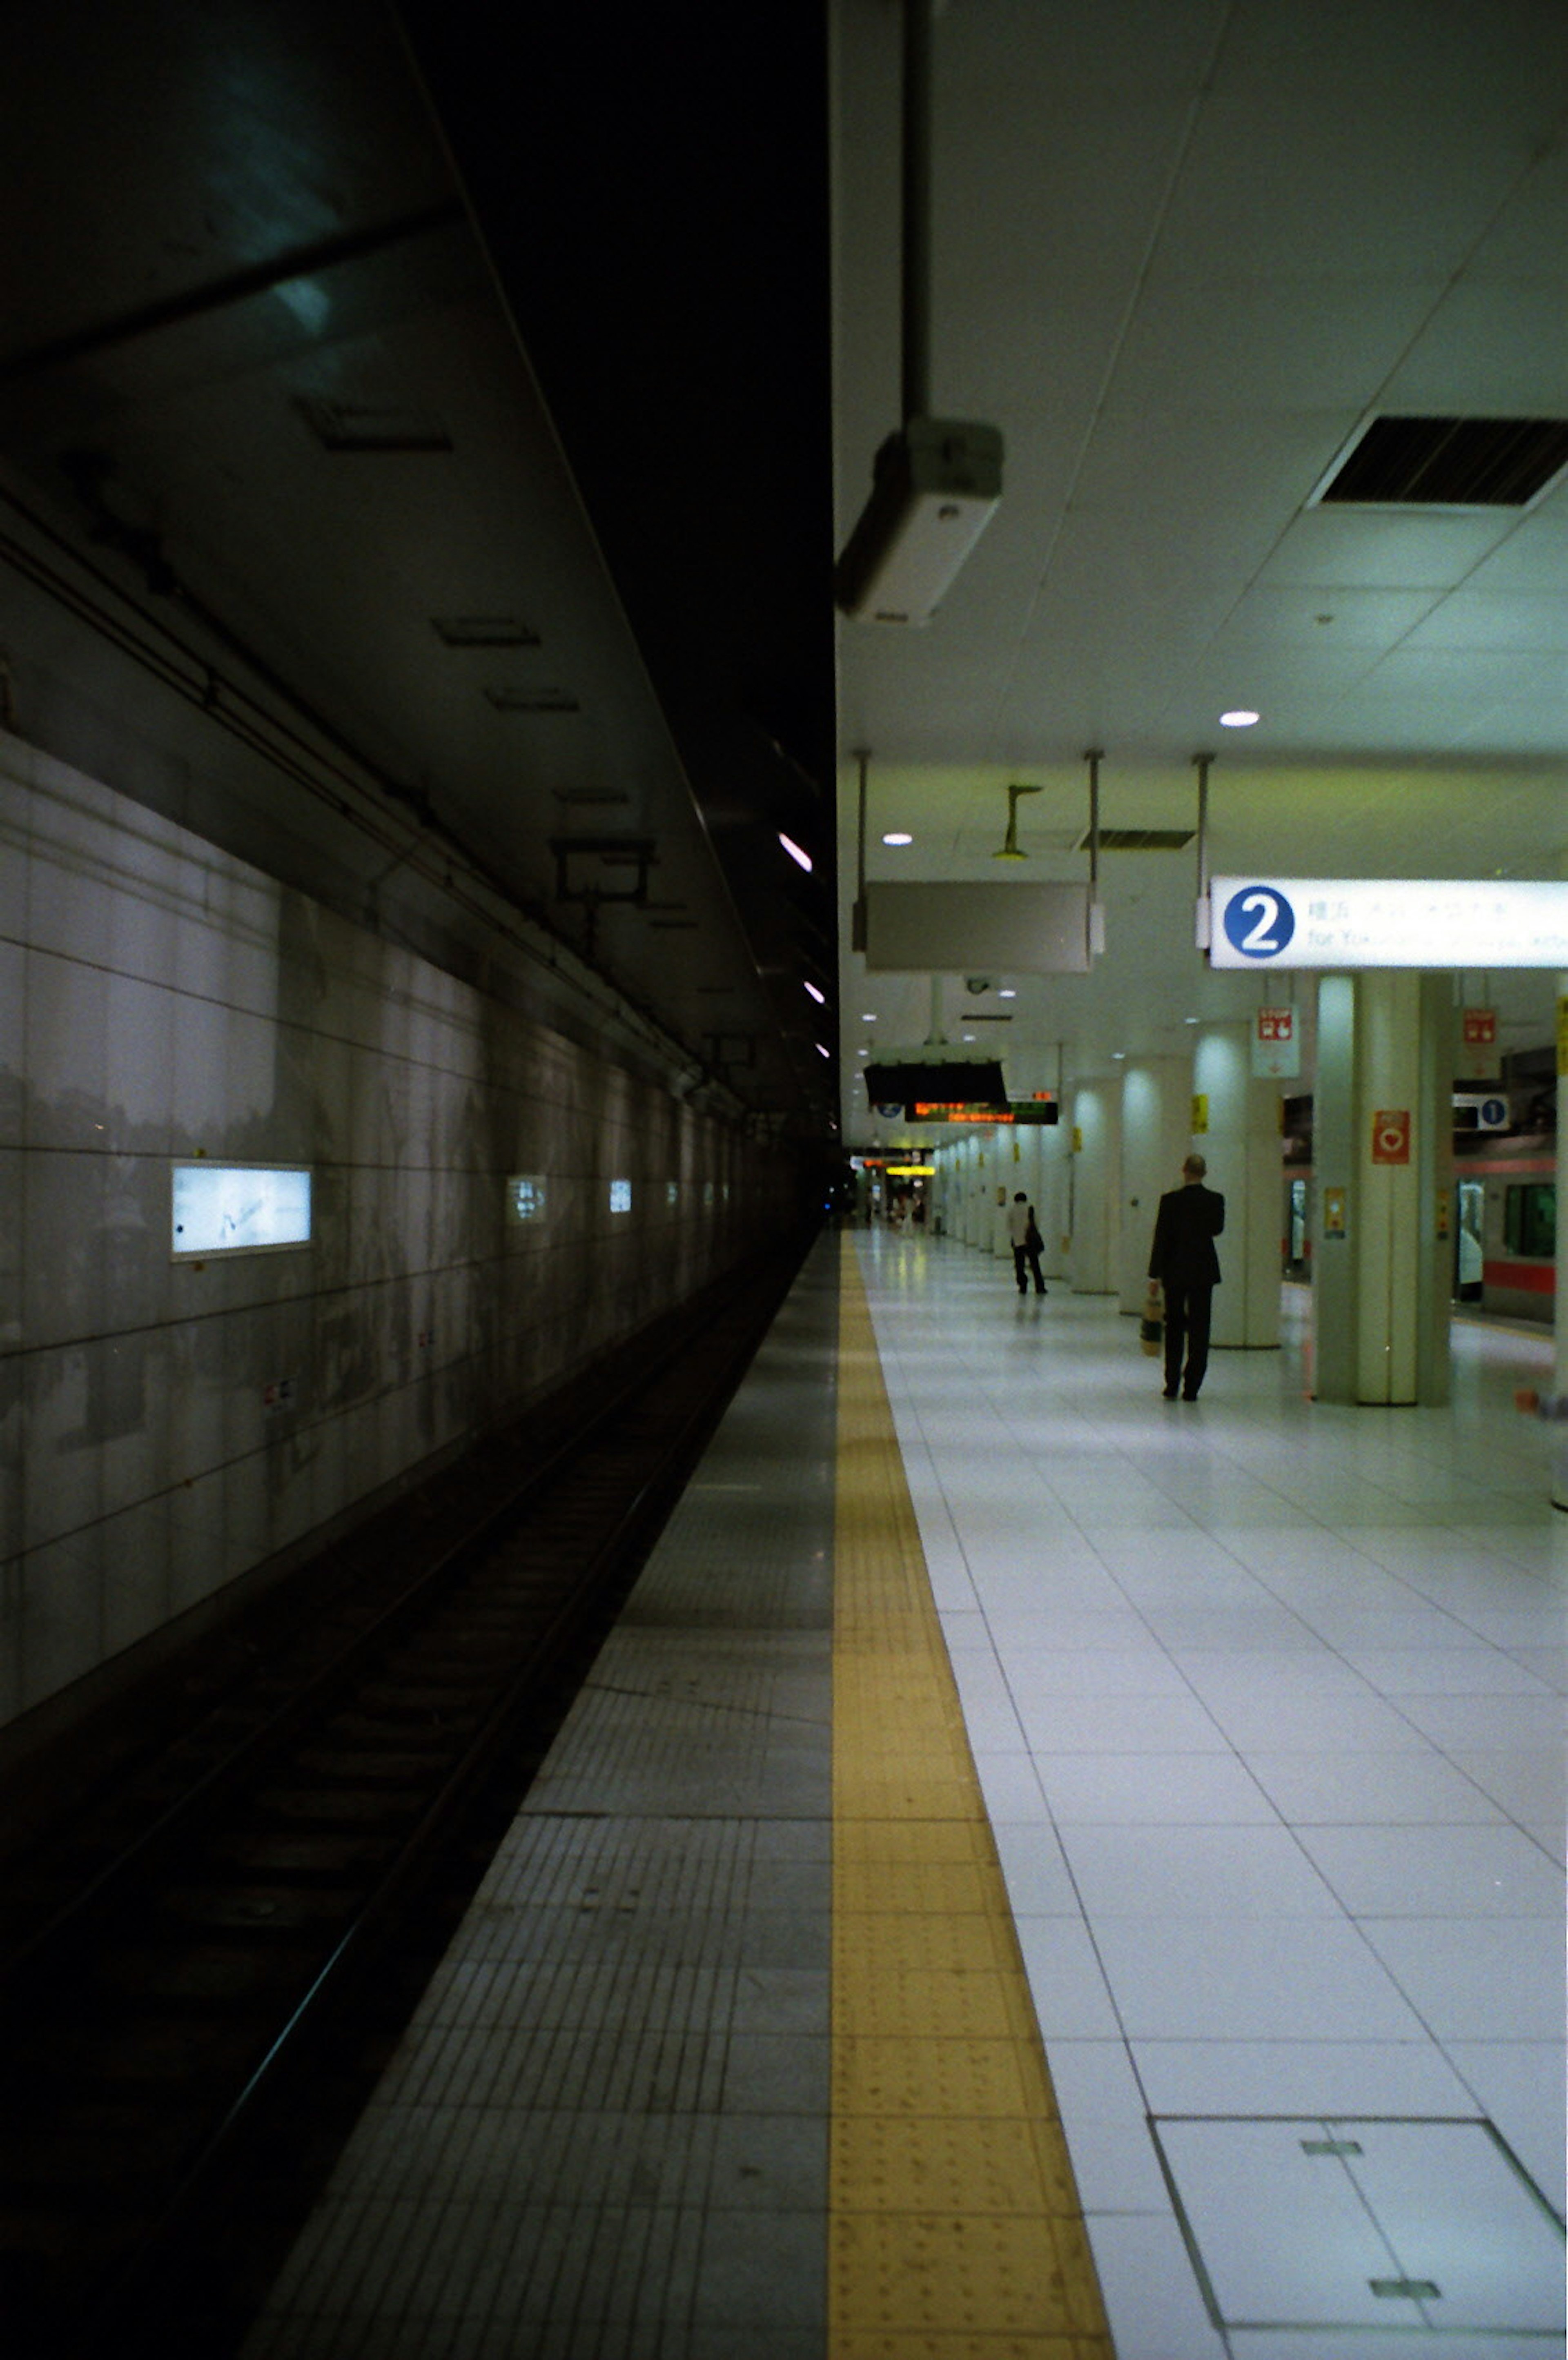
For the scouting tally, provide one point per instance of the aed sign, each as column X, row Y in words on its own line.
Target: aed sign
column 1480, row 1027
column 1391, row 1135
column 1355, row 921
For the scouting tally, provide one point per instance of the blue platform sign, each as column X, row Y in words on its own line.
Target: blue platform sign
column 1259, row 921
column 1388, row 921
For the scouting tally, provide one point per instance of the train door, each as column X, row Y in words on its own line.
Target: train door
column 1296, row 1229
column 1469, row 1258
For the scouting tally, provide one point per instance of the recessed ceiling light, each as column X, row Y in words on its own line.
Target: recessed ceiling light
column 484, row 631
column 802, row 859
column 371, row 426
column 532, row 700
column 1241, row 718
column 1118, row 1056
column 1007, row 993
column 822, row 1052
column 1192, row 1019
column 820, row 996
column 898, row 835
column 870, row 1016
column 969, row 1037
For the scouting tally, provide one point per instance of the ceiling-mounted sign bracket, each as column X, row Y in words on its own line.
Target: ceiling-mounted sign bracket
column 1095, row 915
column 1203, row 929
column 858, row 916
column 1010, row 848
column 636, row 854
column 639, row 853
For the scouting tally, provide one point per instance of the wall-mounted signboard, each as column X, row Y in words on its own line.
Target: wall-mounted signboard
column 1355, row 921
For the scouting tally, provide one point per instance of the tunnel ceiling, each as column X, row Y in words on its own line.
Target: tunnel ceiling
column 427, row 398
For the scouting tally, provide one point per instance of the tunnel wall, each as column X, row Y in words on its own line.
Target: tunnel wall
column 167, row 1428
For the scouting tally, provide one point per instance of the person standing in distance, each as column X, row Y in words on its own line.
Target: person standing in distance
column 1026, row 1243
column 1183, row 1264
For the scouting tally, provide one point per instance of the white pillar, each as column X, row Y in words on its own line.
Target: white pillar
column 1156, row 1112
column 1096, row 1187
column 1240, row 1143
column 1050, row 1205
column 1383, row 1155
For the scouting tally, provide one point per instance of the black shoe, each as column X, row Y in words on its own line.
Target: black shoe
column 1170, row 1393
column 1188, row 1396
column 1042, row 1290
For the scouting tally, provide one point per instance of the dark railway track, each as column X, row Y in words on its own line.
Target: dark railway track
column 190, row 1959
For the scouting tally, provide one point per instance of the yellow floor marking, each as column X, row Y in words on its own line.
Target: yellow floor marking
column 955, row 2231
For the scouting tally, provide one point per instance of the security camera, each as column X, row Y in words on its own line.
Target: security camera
column 976, row 984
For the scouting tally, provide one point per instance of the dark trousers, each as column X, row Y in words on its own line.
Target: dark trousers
column 1185, row 1328
column 1030, row 1254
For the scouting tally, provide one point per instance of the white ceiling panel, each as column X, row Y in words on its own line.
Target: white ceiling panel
column 1255, row 343
column 1383, row 549
column 1498, row 347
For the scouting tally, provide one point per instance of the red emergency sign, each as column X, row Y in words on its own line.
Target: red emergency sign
column 1391, row 1135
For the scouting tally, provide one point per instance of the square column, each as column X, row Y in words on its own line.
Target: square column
column 1156, row 1109
column 1383, row 1155
column 1096, row 1187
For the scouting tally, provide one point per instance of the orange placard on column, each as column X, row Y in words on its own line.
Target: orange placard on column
column 1391, row 1135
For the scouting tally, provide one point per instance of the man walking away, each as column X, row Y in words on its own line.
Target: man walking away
column 1183, row 1262
column 1027, row 1242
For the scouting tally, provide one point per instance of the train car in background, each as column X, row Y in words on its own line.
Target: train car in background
column 1505, row 1199
column 1505, row 1202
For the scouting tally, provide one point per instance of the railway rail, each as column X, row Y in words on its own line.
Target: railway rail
column 187, row 1960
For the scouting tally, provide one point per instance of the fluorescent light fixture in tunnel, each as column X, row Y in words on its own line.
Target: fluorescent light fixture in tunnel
column 820, row 996
column 802, row 859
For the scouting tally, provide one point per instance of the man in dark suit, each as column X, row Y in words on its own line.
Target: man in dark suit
column 1183, row 1262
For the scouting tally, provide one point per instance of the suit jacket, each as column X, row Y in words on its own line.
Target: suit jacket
column 1188, row 1220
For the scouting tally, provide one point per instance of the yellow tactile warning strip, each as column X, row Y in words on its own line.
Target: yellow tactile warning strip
column 955, row 2231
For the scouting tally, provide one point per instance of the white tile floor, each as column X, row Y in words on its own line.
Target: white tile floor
column 1266, row 1699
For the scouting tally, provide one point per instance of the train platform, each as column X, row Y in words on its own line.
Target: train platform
column 1037, row 1871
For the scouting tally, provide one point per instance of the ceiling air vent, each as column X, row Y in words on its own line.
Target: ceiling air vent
column 364, row 426
column 1448, row 463
column 1140, row 840
column 532, row 700
column 483, row 631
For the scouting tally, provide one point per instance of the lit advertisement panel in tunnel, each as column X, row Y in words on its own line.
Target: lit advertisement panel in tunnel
column 221, row 1208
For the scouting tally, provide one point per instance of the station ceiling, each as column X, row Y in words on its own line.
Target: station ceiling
column 415, row 448
column 618, row 320
column 1184, row 251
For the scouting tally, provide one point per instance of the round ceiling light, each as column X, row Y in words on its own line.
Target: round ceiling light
column 1240, row 719
column 898, row 835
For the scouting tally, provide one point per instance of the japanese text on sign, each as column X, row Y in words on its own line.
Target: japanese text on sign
column 1325, row 921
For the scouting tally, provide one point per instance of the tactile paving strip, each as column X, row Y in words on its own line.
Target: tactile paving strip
column 955, row 2228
